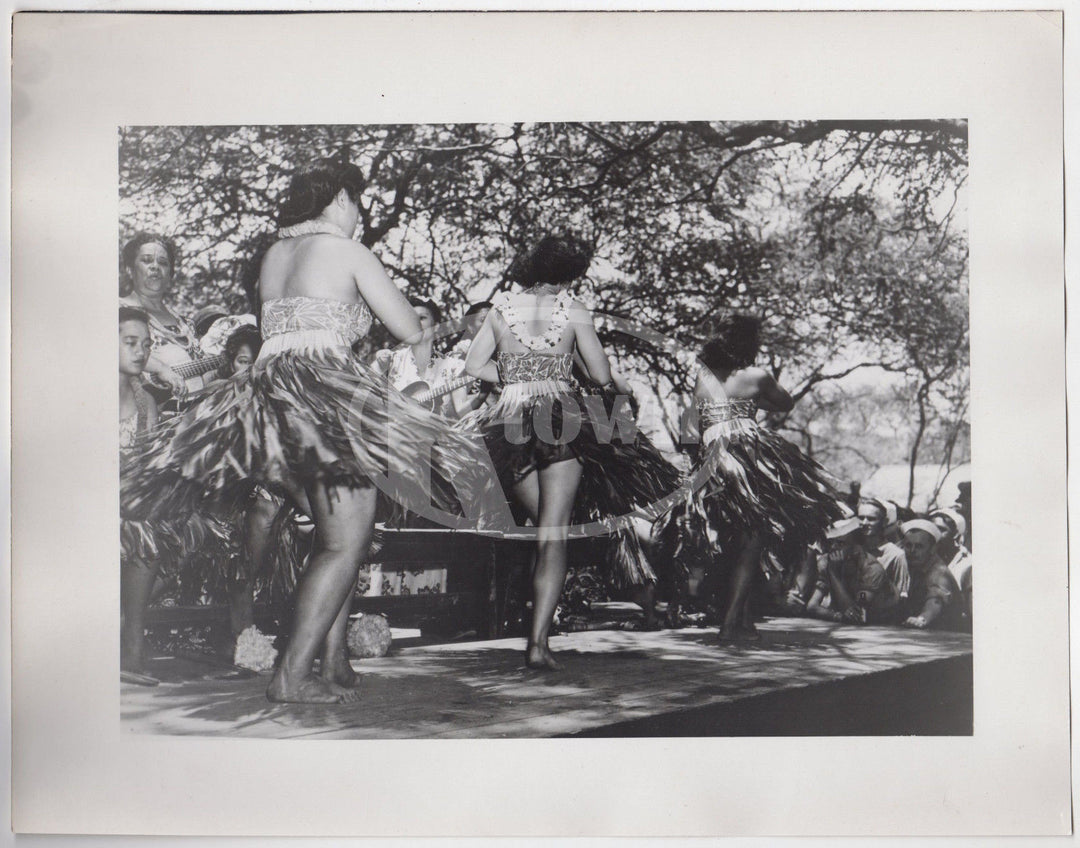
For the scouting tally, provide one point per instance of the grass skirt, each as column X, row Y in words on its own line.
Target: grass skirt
column 623, row 475
column 748, row 480
column 299, row 417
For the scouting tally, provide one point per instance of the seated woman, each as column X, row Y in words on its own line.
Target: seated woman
column 148, row 263
column 544, row 442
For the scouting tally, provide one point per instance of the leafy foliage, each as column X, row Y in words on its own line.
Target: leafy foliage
column 847, row 236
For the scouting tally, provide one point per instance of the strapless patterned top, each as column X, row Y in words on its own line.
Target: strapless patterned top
column 715, row 412
column 534, row 367
column 284, row 315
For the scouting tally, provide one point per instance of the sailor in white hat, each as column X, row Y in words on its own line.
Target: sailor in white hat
column 953, row 526
column 858, row 589
column 874, row 517
column 935, row 598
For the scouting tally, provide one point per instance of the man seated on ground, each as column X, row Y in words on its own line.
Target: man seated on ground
column 858, row 589
column 934, row 600
column 805, row 576
column 951, row 549
column 873, row 516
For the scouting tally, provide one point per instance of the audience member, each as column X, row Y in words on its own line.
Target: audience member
column 952, row 551
column 934, row 600
column 138, row 413
column 858, row 589
column 872, row 518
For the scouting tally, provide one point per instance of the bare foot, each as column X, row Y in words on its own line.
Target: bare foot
column 339, row 672
column 308, row 690
column 537, row 656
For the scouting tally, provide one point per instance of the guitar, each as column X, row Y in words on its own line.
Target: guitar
column 425, row 394
column 188, row 369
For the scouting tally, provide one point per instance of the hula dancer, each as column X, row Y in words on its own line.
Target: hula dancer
column 543, row 435
column 310, row 416
column 750, row 489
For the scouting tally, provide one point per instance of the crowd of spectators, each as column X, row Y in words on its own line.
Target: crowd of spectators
column 886, row 565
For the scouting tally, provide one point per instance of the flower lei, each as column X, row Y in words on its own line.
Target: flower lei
column 310, row 227
column 213, row 343
column 550, row 337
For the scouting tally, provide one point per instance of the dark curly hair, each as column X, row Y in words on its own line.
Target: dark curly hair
column 131, row 249
column 419, row 302
column 555, row 259
column 313, row 187
column 130, row 313
column 736, row 344
column 245, row 334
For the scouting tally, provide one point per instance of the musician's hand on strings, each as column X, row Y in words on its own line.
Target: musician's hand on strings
column 177, row 385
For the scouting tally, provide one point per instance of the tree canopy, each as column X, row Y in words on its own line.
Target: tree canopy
column 848, row 237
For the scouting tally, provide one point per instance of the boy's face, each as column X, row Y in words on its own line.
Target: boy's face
column 134, row 347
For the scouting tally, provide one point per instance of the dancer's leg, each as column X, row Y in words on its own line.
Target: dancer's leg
column 136, row 583
column 334, row 666
column 527, row 493
column 258, row 521
column 558, row 487
column 344, row 520
column 742, row 576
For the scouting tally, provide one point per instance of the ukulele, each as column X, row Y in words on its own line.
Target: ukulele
column 425, row 394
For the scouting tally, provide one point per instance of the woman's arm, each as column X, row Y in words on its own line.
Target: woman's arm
column 580, row 363
column 478, row 363
column 151, row 411
column 588, row 345
column 387, row 303
column 770, row 396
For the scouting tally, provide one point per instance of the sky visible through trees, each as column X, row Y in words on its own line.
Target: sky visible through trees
column 848, row 237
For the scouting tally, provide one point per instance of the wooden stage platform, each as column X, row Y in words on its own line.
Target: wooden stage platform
column 804, row 678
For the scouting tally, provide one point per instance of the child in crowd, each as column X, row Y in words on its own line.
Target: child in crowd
column 138, row 413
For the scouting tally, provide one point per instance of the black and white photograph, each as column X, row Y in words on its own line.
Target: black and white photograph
column 627, row 429
column 539, row 424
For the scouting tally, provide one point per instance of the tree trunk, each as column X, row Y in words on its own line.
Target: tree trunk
column 922, row 396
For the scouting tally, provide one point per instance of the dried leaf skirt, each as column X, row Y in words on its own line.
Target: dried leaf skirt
column 623, row 476
column 748, row 480
column 300, row 417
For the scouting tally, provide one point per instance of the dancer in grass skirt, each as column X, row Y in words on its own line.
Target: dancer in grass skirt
column 750, row 490
column 566, row 457
column 311, row 417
